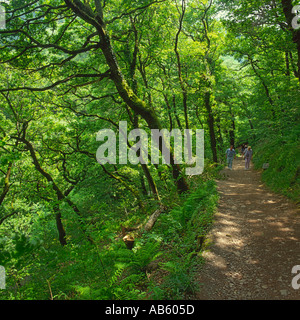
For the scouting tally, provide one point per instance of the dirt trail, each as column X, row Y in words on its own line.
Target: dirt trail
column 255, row 242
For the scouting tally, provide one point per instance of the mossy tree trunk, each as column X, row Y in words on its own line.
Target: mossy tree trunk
column 136, row 104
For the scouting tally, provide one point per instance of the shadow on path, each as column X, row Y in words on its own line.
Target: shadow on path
column 255, row 242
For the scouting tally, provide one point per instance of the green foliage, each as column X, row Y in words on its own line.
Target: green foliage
column 196, row 210
column 181, row 230
column 283, row 156
column 58, row 89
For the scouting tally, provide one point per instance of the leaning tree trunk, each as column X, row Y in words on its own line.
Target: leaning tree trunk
column 139, row 106
column 59, row 193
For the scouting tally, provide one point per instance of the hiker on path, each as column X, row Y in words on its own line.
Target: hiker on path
column 244, row 151
column 248, row 157
column 230, row 154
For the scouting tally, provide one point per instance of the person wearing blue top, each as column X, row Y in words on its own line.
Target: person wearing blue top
column 230, row 154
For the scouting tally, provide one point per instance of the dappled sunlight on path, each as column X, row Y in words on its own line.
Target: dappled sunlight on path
column 255, row 242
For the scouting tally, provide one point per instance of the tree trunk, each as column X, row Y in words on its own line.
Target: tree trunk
column 139, row 106
column 60, row 226
column 219, row 134
column 151, row 182
column 60, row 195
column 132, row 71
column 250, row 124
column 126, row 93
column 175, row 113
column 213, row 142
column 287, row 63
column 287, row 7
column 232, row 129
column 6, row 183
column 265, row 87
column 179, row 67
column 153, row 218
column 169, row 112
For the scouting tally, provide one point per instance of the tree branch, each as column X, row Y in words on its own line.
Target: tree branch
column 100, row 77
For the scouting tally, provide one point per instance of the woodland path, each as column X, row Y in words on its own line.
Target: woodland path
column 255, row 242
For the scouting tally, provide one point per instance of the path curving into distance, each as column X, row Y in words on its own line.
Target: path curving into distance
column 255, row 242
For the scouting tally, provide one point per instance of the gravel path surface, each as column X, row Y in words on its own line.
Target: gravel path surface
column 255, row 242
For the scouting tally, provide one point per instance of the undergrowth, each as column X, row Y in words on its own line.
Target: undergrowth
column 161, row 264
column 283, row 156
column 183, row 231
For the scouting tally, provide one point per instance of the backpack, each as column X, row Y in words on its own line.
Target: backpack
column 248, row 153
